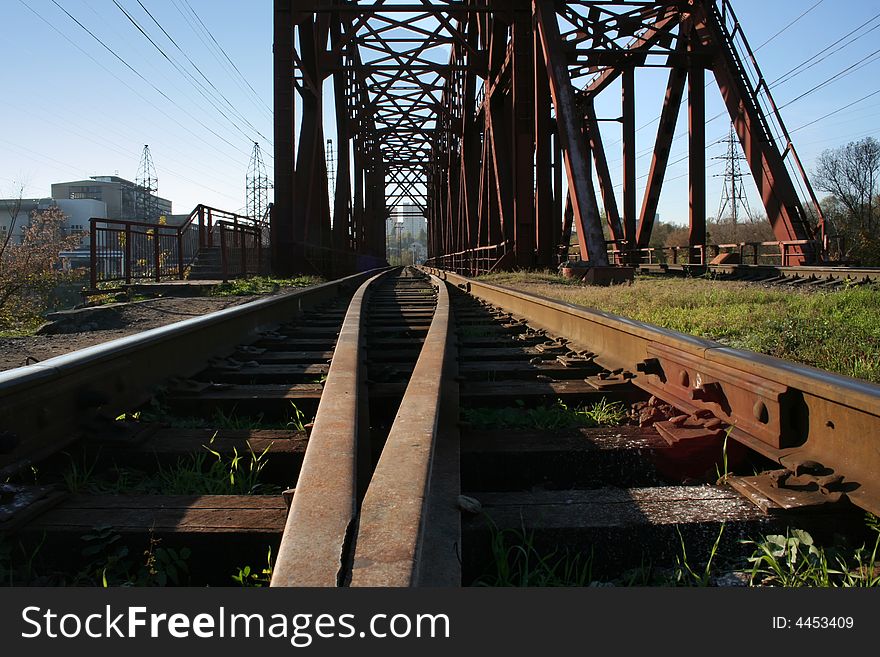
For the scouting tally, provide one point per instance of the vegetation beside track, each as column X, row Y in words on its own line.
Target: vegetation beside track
column 837, row 331
column 262, row 285
column 790, row 560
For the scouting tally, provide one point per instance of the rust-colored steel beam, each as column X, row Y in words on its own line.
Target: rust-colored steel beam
column 603, row 173
column 283, row 248
column 590, row 237
column 697, row 162
column 546, row 221
column 660, row 159
column 523, row 123
column 766, row 161
column 628, row 92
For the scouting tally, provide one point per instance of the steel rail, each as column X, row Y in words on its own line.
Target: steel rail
column 856, row 274
column 791, row 413
column 323, row 513
column 46, row 406
column 418, row 470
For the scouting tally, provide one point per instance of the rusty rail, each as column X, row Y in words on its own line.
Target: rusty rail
column 46, row 406
column 332, row 538
column 395, row 538
column 842, row 274
column 790, row 413
column 324, row 509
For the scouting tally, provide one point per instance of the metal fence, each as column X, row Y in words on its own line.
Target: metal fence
column 125, row 251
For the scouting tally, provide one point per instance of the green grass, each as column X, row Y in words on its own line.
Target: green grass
column 838, row 331
column 789, row 560
column 262, row 285
column 219, row 419
column 205, row 472
column 20, row 326
column 558, row 416
column 794, row 560
column 255, row 577
column 517, row 562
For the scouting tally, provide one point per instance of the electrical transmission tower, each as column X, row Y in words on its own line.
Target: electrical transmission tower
column 330, row 158
column 257, row 186
column 733, row 193
column 146, row 205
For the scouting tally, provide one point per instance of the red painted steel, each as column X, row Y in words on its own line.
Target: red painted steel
column 451, row 107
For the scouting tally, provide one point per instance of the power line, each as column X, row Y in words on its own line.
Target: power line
column 201, row 89
column 124, row 83
column 213, row 49
column 807, row 11
column 797, row 70
column 840, row 109
column 141, row 76
column 219, row 93
column 228, row 58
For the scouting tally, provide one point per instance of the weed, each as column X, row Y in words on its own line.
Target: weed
column 790, row 560
column 14, row 571
column 163, row 566
column 558, row 416
column 296, row 420
column 517, row 562
column 110, row 564
column 685, row 575
column 262, row 285
column 247, row 576
column 723, row 473
column 79, row 479
column 221, row 475
column 206, row 472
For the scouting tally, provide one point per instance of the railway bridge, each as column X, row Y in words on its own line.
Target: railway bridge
column 482, row 114
column 400, row 426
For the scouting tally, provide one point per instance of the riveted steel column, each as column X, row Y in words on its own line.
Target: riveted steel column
column 590, row 236
column 697, row 162
column 281, row 228
column 628, row 101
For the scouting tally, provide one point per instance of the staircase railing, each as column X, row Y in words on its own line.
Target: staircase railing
column 125, row 251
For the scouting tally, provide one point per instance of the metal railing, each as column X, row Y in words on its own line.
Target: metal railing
column 125, row 251
column 784, row 253
column 242, row 252
column 471, row 262
column 781, row 253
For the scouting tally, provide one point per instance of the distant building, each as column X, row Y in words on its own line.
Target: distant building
column 117, row 193
column 410, row 219
column 15, row 215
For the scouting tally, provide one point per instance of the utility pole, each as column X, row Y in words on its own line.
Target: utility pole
column 330, row 158
column 257, row 186
column 733, row 194
column 146, row 189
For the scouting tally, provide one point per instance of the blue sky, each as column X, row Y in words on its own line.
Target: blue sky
column 72, row 109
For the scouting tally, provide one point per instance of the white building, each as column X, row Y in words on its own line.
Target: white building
column 15, row 215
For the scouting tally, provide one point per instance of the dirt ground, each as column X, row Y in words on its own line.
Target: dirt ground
column 71, row 330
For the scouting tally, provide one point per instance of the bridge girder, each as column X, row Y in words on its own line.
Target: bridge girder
column 481, row 114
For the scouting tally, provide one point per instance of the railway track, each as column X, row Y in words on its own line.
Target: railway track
column 455, row 423
column 805, row 277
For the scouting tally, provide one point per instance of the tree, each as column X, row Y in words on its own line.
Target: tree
column 851, row 174
column 30, row 270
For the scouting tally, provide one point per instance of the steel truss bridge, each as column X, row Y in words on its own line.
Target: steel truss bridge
column 482, row 115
